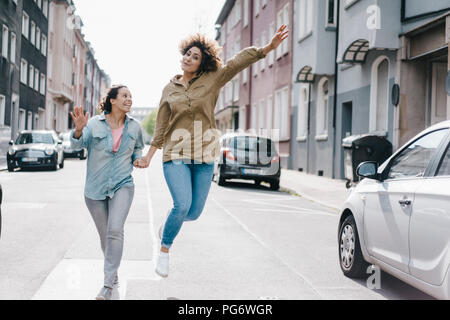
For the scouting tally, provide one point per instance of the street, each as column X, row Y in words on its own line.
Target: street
column 249, row 243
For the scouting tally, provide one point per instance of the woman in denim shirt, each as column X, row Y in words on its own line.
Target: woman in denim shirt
column 186, row 129
column 114, row 142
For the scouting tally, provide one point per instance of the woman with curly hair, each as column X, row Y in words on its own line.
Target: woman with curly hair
column 186, row 129
column 114, row 141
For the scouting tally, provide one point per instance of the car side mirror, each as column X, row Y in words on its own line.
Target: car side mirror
column 368, row 170
column 11, row 143
column 59, row 142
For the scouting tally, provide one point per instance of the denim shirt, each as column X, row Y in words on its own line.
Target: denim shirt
column 107, row 172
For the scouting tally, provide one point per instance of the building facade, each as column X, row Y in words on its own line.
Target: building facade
column 79, row 75
column 10, row 44
column 33, row 64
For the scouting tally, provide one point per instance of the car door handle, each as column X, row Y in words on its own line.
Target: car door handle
column 405, row 202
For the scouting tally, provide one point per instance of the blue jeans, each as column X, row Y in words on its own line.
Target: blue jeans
column 189, row 185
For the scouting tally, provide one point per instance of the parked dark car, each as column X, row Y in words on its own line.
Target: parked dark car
column 248, row 157
column 68, row 151
column 35, row 149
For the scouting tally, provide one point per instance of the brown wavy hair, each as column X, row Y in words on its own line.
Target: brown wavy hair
column 111, row 93
column 210, row 51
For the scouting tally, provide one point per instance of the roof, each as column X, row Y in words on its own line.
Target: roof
column 226, row 9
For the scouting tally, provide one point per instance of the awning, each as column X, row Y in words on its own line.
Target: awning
column 306, row 75
column 356, row 52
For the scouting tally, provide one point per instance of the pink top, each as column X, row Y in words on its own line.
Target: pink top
column 117, row 138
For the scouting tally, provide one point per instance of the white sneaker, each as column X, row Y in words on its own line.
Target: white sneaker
column 162, row 265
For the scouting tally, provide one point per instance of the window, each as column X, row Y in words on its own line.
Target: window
column 245, row 75
column 257, row 4
column 36, row 79
column 255, row 66
column 302, row 116
column 21, row 119
column 44, row 45
column 25, row 24
column 13, row 47
column 285, row 116
column 261, row 110
column 42, row 85
column 322, row 109
column 33, row 33
column 38, row 38
column 2, row 110
column 45, row 7
column 444, row 168
column 263, row 43
column 29, row 120
column 286, row 20
column 31, row 77
column 254, row 117
column 23, row 71
column 245, row 13
column 236, row 86
column 331, row 13
column 238, row 12
column 263, row 3
column 271, row 57
column 379, row 95
column 280, row 19
column 414, row 160
column 269, row 112
column 5, row 38
column 305, row 18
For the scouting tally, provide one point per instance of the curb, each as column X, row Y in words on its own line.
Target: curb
column 295, row 193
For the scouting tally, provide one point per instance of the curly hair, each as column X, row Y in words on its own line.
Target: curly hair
column 210, row 51
column 111, row 93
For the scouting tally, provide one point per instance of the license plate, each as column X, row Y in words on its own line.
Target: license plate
column 251, row 171
column 29, row 159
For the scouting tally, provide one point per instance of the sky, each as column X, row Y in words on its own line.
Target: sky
column 136, row 41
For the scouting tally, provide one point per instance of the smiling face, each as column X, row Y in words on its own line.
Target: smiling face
column 123, row 101
column 191, row 60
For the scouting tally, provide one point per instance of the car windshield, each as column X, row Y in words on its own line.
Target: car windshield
column 254, row 144
column 26, row 138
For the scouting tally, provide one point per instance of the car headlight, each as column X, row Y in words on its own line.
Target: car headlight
column 11, row 152
column 49, row 151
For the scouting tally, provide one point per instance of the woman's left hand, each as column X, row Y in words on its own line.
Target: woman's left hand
column 278, row 38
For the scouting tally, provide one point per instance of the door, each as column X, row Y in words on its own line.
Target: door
column 430, row 225
column 388, row 204
column 438, row 92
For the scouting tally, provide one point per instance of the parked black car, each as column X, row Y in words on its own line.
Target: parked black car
column 249, row 157
column 35, row 149
column 68, row 151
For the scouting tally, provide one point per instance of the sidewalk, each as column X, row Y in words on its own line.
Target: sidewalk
column 326, row 191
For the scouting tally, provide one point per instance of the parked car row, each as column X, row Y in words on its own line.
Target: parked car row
column 398, row 217
column 41, row 149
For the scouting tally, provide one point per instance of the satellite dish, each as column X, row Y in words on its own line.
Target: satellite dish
column 395, row 94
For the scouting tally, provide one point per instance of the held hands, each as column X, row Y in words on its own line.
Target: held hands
column 141, row 163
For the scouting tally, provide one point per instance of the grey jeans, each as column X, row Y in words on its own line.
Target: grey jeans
column 109, row 216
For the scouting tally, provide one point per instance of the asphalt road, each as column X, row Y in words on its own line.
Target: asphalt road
column 249, row 243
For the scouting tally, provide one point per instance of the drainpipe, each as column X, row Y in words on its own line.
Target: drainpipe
column 335, row 87
column 308, row 128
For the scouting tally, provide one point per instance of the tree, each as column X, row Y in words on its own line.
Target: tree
column 149, row 122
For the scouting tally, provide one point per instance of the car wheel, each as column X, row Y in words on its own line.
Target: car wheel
column 10, row 168
column 257, row 182
column 220, row 179
column 61, row 165
column 54, row 167
column 275, row 185
column 351, row 259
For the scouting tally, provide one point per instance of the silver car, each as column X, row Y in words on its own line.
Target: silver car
column 398, row 217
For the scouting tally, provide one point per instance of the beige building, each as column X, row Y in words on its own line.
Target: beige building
column 79, row 75
column 60, row 95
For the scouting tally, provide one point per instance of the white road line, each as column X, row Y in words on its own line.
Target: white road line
column 307, row 281
column 319, row 213
column 151, row 219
